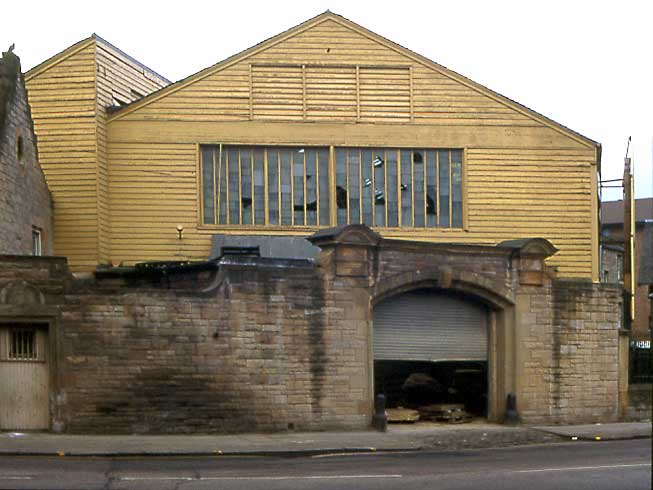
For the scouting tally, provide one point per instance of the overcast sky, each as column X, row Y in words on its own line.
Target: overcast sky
column 587, row 65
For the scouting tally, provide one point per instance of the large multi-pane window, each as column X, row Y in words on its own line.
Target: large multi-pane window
column 293, row 186
column 244, row 185
column 406, row 188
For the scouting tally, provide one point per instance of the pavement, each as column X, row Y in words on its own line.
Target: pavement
column 409, row 437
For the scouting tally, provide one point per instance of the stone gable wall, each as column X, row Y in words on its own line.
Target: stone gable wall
column 25, row 200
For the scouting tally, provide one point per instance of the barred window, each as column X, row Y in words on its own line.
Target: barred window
column 293, row 186
column 22, row 344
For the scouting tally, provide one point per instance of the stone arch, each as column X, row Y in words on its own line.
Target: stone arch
column 469, row 283
column 20, row 292
column 478, row 288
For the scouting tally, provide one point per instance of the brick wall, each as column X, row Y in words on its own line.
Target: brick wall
column 25, row 201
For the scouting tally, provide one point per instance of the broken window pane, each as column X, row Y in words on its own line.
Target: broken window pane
column 208, row 185
column 431, row 189
column 273, row 186
column 286, row 186
column 391, row 197
column 444, row 187
column 456, row 189
column 323, row 164
column 259, row 187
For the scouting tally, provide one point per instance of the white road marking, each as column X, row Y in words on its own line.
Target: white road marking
column 261, row 478
column 579, row 468
column 16, row 477
column 156, row 478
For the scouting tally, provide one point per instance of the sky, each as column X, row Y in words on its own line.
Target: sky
column 586, row 64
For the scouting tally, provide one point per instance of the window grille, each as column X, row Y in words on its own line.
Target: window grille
column 22, row 345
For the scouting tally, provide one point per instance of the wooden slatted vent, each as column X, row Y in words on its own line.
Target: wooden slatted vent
column 384, row 94
column 338, row 92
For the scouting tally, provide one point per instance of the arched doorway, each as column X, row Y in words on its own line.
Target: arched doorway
column 430, row 348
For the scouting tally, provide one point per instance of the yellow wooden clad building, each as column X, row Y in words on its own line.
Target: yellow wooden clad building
column 324, row 124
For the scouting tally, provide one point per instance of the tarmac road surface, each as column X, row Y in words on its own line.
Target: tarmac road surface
column 609, row 465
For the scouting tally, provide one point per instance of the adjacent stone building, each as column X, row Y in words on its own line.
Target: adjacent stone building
column 25, row 201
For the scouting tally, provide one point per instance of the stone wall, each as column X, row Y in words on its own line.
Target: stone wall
column 569, row 344
column 25, row 201
column 640, row 402
column 255, row 344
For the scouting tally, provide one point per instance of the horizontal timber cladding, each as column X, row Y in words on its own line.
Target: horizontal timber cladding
column 119, row 81
column 425, row 326
column 333, row 86
column 331, row 92
column 508, row 193
column 347, row 92
column 69, row 97
column 331, row 72
column 62, row 99
column 384, row 94
column 152, row 190
column 534, row 193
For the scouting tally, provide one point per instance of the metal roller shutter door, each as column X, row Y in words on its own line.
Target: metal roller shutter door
column 425, row 326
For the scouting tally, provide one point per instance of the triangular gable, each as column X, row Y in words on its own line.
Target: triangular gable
column 59, row 57
column 394, row 54
column 80, row 46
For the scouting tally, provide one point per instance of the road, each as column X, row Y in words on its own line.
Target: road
column 615, row 465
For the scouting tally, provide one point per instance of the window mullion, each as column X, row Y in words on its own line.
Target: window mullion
column 373, row 187
column 219, row 186
column 437, row 188
column 227, row 186
column 347, row 185
column 360, row 186
column 240, row 188
column 317, row 187
column 412, row 188
column 279, row 222
column 425, row 161
column 251, row 185
column 332, row 186
column 292, row 188
column 450, row 190
column 385, row 185
column 399, row 196
column 266, row 192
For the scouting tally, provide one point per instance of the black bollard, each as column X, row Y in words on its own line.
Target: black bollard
column 512, row 417
column 379, row 419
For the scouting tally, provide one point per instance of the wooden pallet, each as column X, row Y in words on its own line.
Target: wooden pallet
column 452, row 413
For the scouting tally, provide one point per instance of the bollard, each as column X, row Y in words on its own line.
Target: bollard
column 379, row 419
column 512, row 417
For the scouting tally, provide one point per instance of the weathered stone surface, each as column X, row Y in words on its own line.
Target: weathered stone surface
column 25, row 202
column 252, row 344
